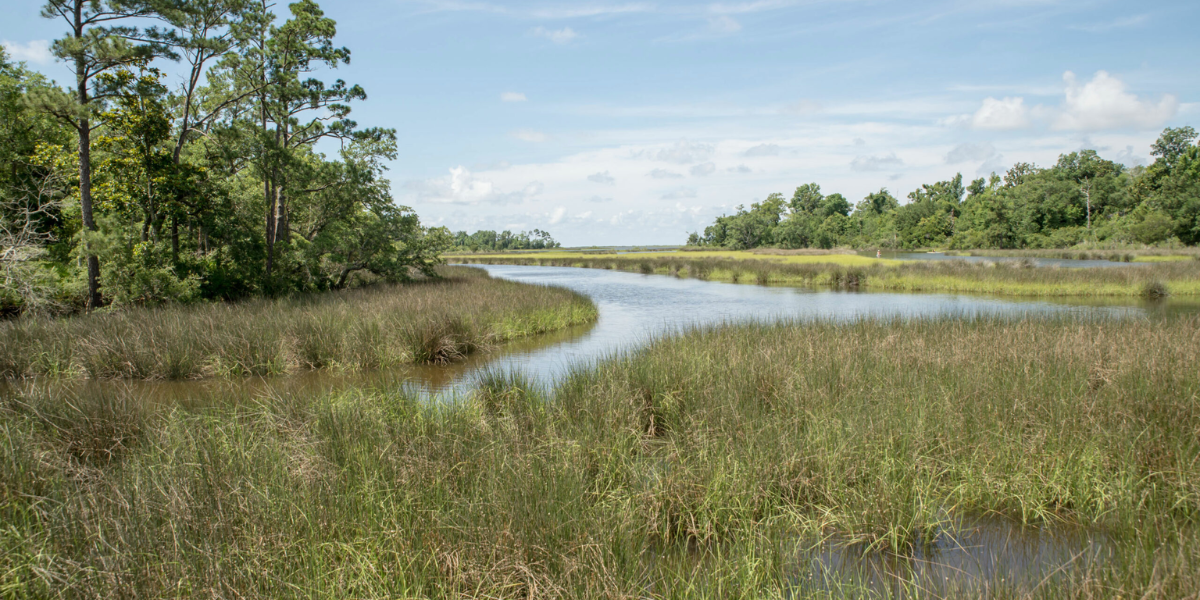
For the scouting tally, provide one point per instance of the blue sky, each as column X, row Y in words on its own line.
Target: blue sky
column 636, row 122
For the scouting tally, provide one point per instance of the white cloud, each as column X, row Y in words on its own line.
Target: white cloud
column 529, row 135
column 970, row 153
column 512, row 97
column 558, row 215
column 665, row 174
column 599, row 199
column 558, row 36
column 875, row 163
column 685, row 152
column 703, row 169
column 1103, row 103
column 461, row 187
column 35, row 51
column 1105, row 27
column 680, row 194
column 804, row 106
column 763, row 150
column 1129, row 159
column 1001, row 115
column 724, row 24
column 740, row 169
column 602, row 178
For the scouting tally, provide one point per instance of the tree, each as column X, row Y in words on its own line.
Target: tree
column 807, row 198
column 91, row 47
column 1172, row 144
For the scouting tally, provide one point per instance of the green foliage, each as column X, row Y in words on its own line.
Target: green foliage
column 214, row 191
column 1082, row 199
column 485, row 240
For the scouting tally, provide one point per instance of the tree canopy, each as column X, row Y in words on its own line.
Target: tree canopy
column 1082, row 198
column 243, row 175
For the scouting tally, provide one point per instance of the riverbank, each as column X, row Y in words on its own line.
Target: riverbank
column 1178, row 278
column 432, row 321
column 701, row 465
column 1116, row 255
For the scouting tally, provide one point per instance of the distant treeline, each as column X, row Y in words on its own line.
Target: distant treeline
column 1082, row 198
column 505, row 240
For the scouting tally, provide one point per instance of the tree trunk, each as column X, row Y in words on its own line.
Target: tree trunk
column 174, row 239
column 84, row 129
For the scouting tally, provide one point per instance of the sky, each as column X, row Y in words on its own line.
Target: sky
column 631, row 122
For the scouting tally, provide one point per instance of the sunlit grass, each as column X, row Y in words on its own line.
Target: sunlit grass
column 1012, row 278
column 697, row 466
column 433, row 321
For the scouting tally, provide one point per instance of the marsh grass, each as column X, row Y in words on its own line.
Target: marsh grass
column 1109, row 254
column 435, row 321
column 695, row 467
column 1019, row 278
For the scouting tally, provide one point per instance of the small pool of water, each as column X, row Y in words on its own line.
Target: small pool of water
column 971, row 557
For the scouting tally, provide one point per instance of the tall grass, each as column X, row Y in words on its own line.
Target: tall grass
column 698, row 466
column 1003, row 278
column 1114, row 255
column 432, row 321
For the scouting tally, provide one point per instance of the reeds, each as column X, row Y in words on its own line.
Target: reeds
column 699, row 466
column 1020, row 278
column 435, row 321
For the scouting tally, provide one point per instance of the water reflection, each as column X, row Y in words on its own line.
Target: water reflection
column 977, row 556
column 635, row 308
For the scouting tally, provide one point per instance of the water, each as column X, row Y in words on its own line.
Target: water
column 1037, row 262
column 984, row 555
column 978, row 557
column 634, row 309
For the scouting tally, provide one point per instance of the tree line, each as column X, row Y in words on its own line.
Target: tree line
column 243, row 175
column 505, row 240
column 1082, row 198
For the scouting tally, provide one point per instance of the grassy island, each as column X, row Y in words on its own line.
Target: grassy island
column 430, row 321
column 702, row 465
column 830, row 269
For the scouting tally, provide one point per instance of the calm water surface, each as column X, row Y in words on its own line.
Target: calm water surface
column 635, row 308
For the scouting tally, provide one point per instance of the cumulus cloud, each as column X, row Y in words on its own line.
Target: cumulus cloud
column 970, row 153
column 558, row 215
column 703, row 169
column 685, row 152
column 462, row 187
column 875, row 163
column 680, row 194
column 558, row 36
column 602, row 178
column 763, row 150
column 529, row 135
column 1001, row 115
column 512, row 97
column 1129, row 159
column 1103, row 103
column 35, row 51
column 740, row 169
column 665, row 174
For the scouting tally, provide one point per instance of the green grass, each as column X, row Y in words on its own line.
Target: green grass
column 694, row 467
column 431, row 321
column 1114, row 255
column 845, row 271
